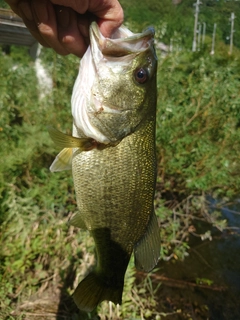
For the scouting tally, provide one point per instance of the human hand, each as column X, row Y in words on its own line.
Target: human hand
column 64, row 24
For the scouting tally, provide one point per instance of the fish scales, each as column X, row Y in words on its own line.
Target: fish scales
column 112, row 157
column 116, row 184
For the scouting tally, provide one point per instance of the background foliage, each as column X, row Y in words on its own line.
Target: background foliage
column 198, row 121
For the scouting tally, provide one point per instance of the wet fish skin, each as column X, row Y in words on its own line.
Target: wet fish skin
column 115, row 200
column 115, row 179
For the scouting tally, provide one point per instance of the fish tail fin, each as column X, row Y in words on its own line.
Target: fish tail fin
column 93, row 289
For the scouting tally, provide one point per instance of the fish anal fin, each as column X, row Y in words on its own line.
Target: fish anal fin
column 63, row 161
column 93, row 289
column 147, row 250
column 77, row 221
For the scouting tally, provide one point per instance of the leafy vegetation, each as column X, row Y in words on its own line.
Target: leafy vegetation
column 198, row 125
column 178, row 20
column 39, row 251
column 198, row 134
column 3, row 4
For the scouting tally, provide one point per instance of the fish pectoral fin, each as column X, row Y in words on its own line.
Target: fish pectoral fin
column 147, row 250
column 63, row 161
column 78, row 222
column 63, row 140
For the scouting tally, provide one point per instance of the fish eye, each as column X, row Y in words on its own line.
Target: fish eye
column 141, row 75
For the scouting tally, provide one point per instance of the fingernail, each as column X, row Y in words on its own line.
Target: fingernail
column 41, row 11
column 63, row 16
column 26, row 11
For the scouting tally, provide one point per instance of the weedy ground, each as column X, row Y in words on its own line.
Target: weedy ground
column 42, row 258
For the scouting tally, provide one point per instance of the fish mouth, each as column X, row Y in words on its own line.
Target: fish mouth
column 96, row 108
column 122, row 42
column 120, row 48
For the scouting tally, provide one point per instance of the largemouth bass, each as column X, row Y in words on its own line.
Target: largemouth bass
column 112, row 157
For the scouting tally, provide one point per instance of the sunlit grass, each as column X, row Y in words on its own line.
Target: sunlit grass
column 42, row 258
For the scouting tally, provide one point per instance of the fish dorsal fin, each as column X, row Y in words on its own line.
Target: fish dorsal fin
column 63, row 140
column 63, row 161
column 147, row 250
column 77, row 221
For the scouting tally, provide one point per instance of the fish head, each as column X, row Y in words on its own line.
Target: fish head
column 115, row 91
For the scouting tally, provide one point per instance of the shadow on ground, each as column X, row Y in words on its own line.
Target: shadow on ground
column 67, row 309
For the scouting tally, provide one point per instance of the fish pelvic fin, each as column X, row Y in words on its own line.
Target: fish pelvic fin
column 77, row 221
column 63, row 140
column 93, row 289
column 147, row 250
column 63, row 161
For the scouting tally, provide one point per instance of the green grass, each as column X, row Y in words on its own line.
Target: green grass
column 42, row 258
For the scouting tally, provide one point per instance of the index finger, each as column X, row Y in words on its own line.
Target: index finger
column 109, row 13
